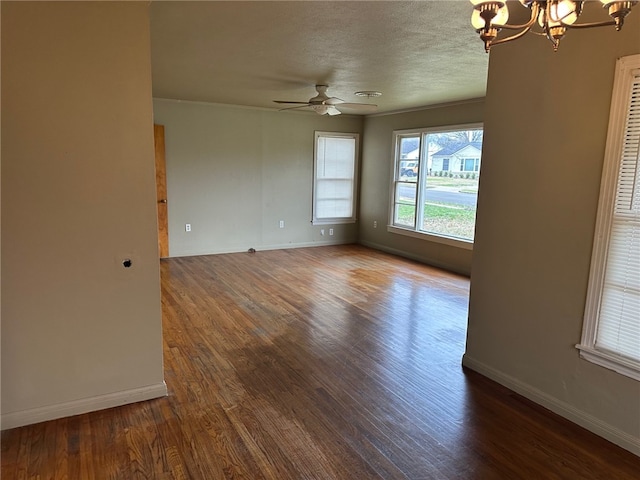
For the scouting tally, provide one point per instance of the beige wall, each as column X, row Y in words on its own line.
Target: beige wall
column 79, row 331
column 233, row 173
column 545, row 131
column 377, row 171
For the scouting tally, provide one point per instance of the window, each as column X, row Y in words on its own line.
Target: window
column 611, row 331
column 437, row 197
column 471, row 165
column 334, row 186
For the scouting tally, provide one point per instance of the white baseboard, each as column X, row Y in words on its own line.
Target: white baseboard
column 591, row 423
column 281, row 246
column 84, row 405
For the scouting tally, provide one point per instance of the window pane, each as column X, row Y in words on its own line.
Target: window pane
column 469, row 164
column 620, row 302
column 334, row 208
column 336, row 157
column 334, row 182
column 436, row 181
column 405, row 215
column 451, row 184
column 409, row 163
column 334, row 198
column 405, row 207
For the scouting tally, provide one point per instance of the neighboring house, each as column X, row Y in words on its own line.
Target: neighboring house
column 410, row 148
column 457, row 157
column 412, row 155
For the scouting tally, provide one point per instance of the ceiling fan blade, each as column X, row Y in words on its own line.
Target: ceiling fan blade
column 325, row 105
column 285, row 101
column 333, row 101
column 358, row 107
column 294, row 108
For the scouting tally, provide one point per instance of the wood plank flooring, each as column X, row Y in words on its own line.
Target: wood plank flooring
column 315, row 363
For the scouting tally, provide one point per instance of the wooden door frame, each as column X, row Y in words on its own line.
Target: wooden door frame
column 161, row 191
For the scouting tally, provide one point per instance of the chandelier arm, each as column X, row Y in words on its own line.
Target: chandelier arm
column 555, row 41
column 591, row 25
column 512, row 37
column 535, row 10
column 506, row 26
column 529, row 24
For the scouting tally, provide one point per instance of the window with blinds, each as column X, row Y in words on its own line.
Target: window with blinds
column 611, row 333
column 334, row 186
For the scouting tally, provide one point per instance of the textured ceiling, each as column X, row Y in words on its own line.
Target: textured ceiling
column 251, row 53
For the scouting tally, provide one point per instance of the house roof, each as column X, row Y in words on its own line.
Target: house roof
column 453, row 148
column 409, row 145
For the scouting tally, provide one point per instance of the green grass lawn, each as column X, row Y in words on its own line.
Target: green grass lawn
column 441, row 218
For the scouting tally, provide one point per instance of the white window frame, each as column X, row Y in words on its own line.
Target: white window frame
column 626, row 69
column 354, row 179
column 414, row 232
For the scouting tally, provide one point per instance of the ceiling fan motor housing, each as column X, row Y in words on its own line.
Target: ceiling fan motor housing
column 322, row 97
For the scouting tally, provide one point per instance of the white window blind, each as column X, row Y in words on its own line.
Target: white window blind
column 619, row 325
column 335, row 177
column 611, row 335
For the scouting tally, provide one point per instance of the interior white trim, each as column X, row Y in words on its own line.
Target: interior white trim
column 591, row 423
column 83, row 405
column 621, row 365
column 452, row 242
column 429, row 107
column 626, row 72
column 275, row 246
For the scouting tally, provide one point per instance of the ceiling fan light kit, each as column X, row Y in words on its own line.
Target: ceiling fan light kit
column 551, row 18
column 368, row 93
column 322, row 104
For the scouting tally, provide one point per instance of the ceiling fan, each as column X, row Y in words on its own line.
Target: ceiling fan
column 322, row 104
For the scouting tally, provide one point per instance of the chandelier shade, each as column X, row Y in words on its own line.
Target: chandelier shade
column 551, row 18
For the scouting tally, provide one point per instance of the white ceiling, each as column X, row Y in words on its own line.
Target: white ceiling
column 250, row 53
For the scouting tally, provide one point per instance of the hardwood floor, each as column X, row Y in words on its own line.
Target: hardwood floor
column 317, row 363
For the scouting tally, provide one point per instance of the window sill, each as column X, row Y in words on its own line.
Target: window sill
column 333, row 221
column 618, row 364
column 452, row 242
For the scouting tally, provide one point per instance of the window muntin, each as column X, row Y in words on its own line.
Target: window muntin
column 439, row 198
column 334, row 187
column 611, row 330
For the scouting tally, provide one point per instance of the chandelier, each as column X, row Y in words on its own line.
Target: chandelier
column 553, row 18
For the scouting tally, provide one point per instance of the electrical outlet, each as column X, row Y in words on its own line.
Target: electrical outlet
column 322, row 231
column 331, row 231
column 187, row 227
column 281, row 223
column 375, row 224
